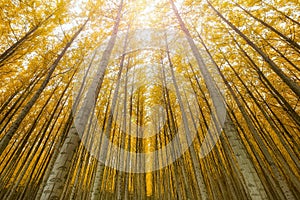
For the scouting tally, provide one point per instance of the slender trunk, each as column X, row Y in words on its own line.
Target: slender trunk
column 18, row 103
column 19, row 152
column 8, row 100
column 216, row 96
column 97, row 183
column 39, row 140
column 294, row 44
column 184, row 184
column 120, row 181
column 195, row 161
column 265, row 151
column 13, row 48
column 55, row 183
column 5, row 140
column 281, row 100
column 294, row 87
column 282, row 13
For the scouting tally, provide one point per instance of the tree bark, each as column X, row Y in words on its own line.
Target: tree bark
column 55, row 183
column 5, row 140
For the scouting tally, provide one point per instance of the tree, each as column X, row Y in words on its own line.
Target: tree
column 54, row 185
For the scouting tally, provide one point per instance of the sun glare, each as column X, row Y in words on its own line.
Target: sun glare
column 144, row 12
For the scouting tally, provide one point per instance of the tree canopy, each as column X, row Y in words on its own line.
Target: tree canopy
column 167, row 99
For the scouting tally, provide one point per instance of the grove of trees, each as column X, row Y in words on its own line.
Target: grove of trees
column 166, row 99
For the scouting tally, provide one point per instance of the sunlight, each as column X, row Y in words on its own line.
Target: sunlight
column 144, row 12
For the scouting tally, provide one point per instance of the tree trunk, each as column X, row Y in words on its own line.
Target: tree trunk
column 5, row 140
column 294, row 87
column 55, row 183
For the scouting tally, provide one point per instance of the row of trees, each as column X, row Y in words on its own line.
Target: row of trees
column 161, row 100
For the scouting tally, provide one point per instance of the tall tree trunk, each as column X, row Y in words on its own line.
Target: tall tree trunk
column 282, row 182
column 255, row 189
column 195, row 161
column 13, row 48
column 216, row 96
column 290, row 41
column 5, row 140
column 294, row 87
column 282, row 13
column 55, row 183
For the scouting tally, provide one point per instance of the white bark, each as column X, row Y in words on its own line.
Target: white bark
column 251, row 179
column 57, row 179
